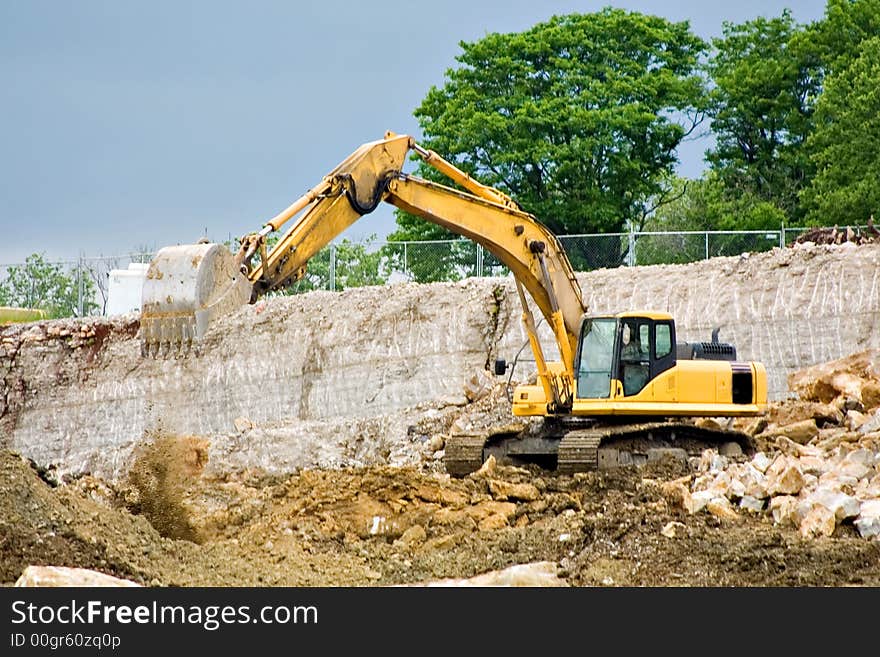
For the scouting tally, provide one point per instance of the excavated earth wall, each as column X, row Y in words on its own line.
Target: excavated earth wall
column 340, row 378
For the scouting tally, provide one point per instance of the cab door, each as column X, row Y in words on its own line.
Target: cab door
column 646, row 350
column 635, row 336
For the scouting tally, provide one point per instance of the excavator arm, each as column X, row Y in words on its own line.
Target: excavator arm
column 369, row 176
column 531, row 252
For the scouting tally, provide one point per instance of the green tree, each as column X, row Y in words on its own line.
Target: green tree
column 44, row 285
column 839, row 35
column 766, row 76
column 353, row 265
column 704, row 205
column 577, row 118
column 846, row 144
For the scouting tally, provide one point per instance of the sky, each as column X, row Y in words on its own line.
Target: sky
column 134, row 125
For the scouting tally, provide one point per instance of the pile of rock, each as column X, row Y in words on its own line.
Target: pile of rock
column 818, row 463
column 836, row 235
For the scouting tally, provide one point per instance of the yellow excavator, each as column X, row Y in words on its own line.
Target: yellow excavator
column 623, row 391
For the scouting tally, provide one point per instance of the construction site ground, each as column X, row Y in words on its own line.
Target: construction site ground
column 380, row 526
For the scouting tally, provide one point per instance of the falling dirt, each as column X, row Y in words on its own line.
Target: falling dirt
column 159, row 478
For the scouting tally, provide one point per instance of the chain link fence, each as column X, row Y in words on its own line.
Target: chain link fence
column 65, row 288
column 86, row 282
column 457, row 259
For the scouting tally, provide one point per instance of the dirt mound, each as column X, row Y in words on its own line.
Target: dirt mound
column 384, row 525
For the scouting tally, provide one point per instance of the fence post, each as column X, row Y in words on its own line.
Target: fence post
column 707, row 244
column 782, row 235
column 404, row 259
column 79, row 285
column 632, row 246
column 332, row 267
column 479, row 260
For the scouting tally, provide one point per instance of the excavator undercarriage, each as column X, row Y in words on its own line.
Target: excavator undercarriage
column 585, row 444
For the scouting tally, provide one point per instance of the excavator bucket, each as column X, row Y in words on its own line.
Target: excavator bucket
column 187, row 287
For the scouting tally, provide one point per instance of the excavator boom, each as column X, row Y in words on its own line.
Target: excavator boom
column 189, row 286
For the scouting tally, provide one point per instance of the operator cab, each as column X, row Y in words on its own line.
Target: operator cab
column 631, row 348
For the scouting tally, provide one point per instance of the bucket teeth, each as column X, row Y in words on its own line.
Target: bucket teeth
column 168, row 337
column 187, row 287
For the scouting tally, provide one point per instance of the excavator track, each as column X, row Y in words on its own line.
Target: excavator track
column 464, row 453
column 578, row 451
column 572, row 449
column 637, row 444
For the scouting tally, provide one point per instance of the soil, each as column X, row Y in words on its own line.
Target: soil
column 169, row 524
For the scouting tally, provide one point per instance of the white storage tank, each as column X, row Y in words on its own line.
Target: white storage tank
column 124, row 288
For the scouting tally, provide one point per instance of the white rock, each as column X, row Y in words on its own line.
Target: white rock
column 479, row 385
column 854, row 420
column 787, row 481
column 242, row 424
column 873, row 423
column 840, row 504
column 702, row 482
column 868, row 488
column 671, row 528
column 487, row 469
column 814, row 465
column 736, row 489
column 753, row 481
column 818, row 521
column 853, row 469
column 750, row 503
column 698, row 500
column 868, row 522
column 720, row 484
column 783, row 508
column 802, row 508
column 378, row 525
column 720, row 507
column 757, row 489
column 760, row 462
column 63, row 576
column 542, row 573
column 712, row 461
column 435, row 443
column 864, row 456
column 836, row 479
column 777, row 465
column 811, row 481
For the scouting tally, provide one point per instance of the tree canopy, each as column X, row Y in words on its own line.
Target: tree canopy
column 765, row 78
column 577, row 118
column 846, row 144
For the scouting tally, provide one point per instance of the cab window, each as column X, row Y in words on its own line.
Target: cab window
column 663, row 340
column 596, row 358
